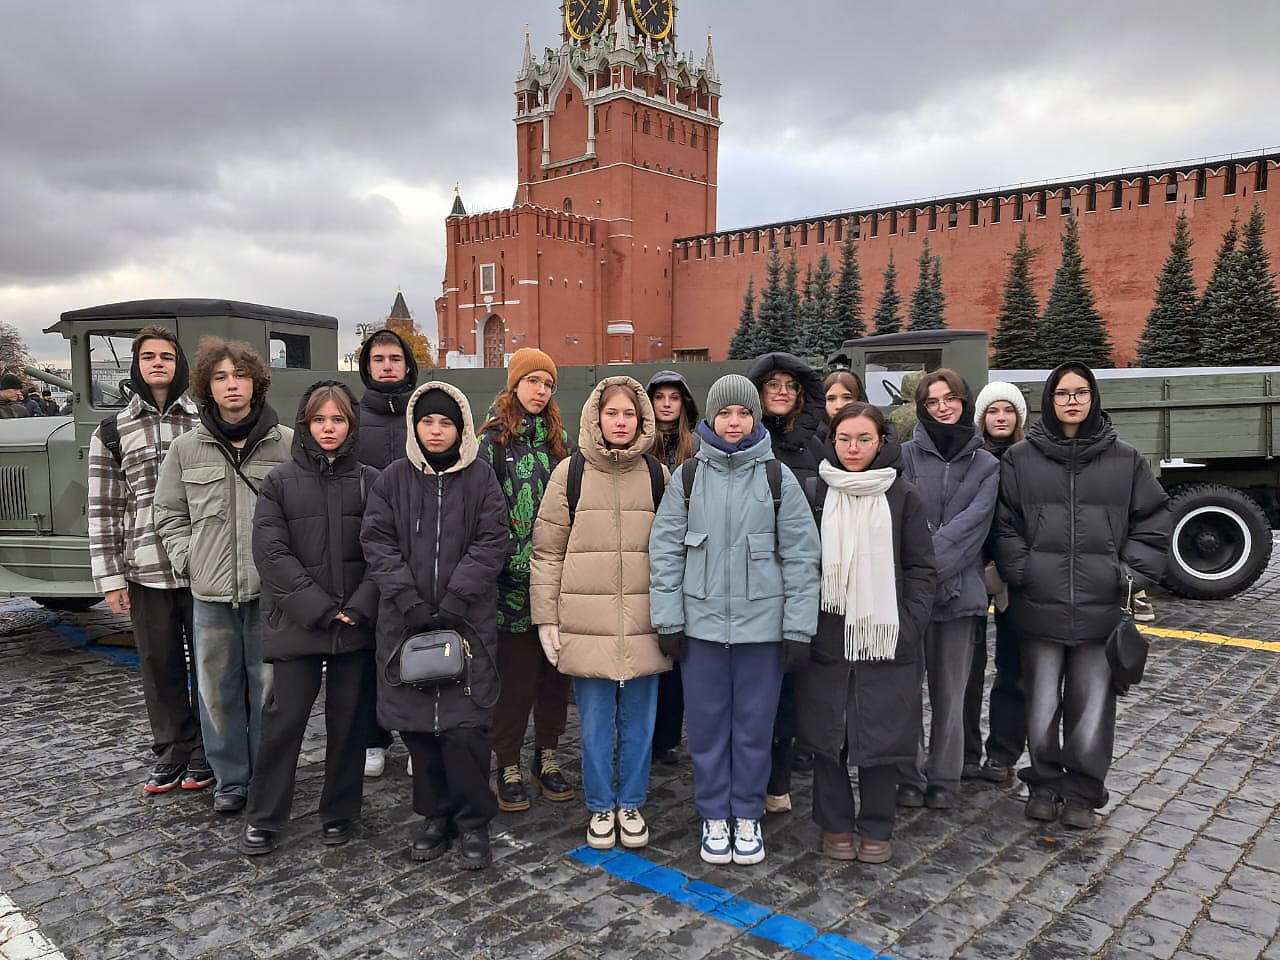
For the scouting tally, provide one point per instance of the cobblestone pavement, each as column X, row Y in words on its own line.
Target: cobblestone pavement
column 1185, row 862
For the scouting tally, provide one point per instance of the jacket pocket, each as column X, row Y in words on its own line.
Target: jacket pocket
column 206, row 490
column 695, row 563
column 764, row 571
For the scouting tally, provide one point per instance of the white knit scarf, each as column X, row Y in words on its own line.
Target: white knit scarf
column 858, row 576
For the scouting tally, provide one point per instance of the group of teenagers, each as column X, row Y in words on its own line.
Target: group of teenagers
column 780, row 575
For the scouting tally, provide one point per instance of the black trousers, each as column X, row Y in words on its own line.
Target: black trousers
column 529, row 683
column 451, row 776
column 972, row 715
column 1007, row 713
column 833, row 806
column 669, row 719
column 162, row 631
column 348, row 713
column 783, row 749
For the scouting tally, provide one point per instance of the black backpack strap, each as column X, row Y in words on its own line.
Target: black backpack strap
column 655, row 479
column 573, row 488
column 687, row 470
column 773, row 472
column 109, row 434
column 815, row 491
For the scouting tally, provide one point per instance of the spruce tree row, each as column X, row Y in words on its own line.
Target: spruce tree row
column 1235, row 321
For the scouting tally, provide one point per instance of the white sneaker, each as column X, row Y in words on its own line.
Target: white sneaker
column 778, row 804
column 375, row 761
column 1143, row 611
column 632, row 829
column 748, row 843
column 717, row 844
column 601, row 832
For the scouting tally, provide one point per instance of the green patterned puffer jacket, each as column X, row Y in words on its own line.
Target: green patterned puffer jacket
column 523, row 469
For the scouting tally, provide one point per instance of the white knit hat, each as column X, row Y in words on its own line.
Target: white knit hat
column 1000, row 390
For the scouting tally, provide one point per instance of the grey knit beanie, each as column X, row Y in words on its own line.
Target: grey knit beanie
column 732, row 389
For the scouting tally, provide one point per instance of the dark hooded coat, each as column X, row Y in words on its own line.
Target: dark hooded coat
column 306, row 544
column 799, row 448
column 875, row 705
column 437, row 539
column 688, row 409
column 382, row 411
column 1076, row 518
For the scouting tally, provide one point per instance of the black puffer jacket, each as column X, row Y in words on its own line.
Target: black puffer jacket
column 438, row 539
column 1075, row 518
column 799, row 448
column 879, row 714
column 306, row 545
column 382, row 411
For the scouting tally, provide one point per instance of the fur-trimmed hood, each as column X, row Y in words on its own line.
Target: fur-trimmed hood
column 468, row 447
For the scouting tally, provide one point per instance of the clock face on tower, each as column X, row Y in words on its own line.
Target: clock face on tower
column 585, row 17
column 653, row 17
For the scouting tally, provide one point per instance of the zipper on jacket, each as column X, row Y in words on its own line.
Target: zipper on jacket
column 235, row 546
column 1071, row 565
column 435, row 575
column 728, row 540
column 622, row 589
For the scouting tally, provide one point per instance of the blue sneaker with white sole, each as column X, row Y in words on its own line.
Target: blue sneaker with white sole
column 748, row 842
column 717, row 843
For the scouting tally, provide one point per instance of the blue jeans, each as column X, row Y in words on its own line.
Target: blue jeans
column 234, row 686
column 606, row 708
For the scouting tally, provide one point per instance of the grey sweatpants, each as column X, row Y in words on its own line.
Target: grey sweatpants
column 948, row 652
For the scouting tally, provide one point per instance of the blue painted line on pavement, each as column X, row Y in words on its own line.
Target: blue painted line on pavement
column 77, row 637
column 787, row 932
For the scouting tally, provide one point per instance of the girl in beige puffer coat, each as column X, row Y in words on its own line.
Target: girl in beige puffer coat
column 589, row 590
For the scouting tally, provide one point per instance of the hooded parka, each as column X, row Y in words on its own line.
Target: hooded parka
column 879, row 711
column 799, row 448
column 688, row 410
column 1076, row 518
column 306, row 544
column 382, row 410
column 960, row 500
column 592, row 578
column 437, row 539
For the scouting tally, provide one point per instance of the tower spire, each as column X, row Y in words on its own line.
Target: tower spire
column 526, row 64
column 458, row 209
column 710, row 65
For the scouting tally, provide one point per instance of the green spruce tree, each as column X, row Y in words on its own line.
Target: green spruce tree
column 926, row 298
column 788, row 336
column 819, row 305
column 742, row 343
column 1072, row 328
column 1215, row 308
column 1171, row 337
column 847, row 322
column 888, row 313
column 1014, row 342
column 771, row 316
column 1243, row 325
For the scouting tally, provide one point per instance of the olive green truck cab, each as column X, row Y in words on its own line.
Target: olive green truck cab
column 1210, row 435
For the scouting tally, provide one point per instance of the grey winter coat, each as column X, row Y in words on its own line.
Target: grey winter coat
column 876, row 705
column 306, row 544
column 727, row 569
column 439, row 540
column 960, row 501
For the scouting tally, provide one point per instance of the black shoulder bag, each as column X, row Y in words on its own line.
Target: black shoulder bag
column 1126, row 649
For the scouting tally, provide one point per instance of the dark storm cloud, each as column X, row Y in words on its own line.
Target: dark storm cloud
column 264, row 150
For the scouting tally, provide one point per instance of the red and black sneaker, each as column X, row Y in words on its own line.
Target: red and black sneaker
column 198, row 776
column 164, row 777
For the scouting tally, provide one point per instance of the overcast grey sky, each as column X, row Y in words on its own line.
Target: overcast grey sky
column 303, row 153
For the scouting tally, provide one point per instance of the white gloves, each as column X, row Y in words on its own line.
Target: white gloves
column 549, row 636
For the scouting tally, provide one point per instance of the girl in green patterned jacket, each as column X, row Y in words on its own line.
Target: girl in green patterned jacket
column 523, row 440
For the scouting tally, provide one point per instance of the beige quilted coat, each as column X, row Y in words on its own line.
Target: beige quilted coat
column 593, row 578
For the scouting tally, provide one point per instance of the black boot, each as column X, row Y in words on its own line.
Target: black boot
column 255, row 840
column 433, row 840
column 474, row 848
column 546, row 774
column 512, row 795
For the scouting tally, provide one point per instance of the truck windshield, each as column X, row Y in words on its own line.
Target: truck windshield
column 110, row 358
column 886, row 368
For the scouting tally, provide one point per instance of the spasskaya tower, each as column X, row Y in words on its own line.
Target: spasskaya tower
column 616, row 143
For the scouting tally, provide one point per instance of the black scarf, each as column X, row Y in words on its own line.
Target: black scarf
column 260, row 419
column 442, row 461
column 949, row 438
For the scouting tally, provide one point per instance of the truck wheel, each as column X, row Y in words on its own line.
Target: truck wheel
column 1221, row 542
column 67, row 604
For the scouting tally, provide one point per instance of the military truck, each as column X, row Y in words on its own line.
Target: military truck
column 44, row 546
column 1210, row 435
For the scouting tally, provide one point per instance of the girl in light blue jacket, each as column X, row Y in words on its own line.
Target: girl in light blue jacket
column 735, row 559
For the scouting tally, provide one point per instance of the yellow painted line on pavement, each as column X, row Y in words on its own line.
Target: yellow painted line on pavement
column 1271, row 645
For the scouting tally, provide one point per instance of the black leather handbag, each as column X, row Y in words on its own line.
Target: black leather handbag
column 1126, row 650
column 429, row 659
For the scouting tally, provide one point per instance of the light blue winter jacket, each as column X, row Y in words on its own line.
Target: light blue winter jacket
column 726, row 569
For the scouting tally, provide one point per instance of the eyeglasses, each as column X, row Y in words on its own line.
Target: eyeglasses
column 933, row 403
column 539, row 384
column 782, row 386
column 860, row 443
column 1063, row 397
